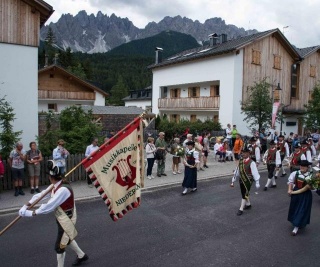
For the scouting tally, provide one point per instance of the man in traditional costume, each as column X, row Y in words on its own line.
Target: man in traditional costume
column 306, row 150
column 283, row 147
column 301, row 197
column 191, row 162
column 255, row 151
column 296, row 157
column 247, row 172
column 273, row 160
column 62, row 202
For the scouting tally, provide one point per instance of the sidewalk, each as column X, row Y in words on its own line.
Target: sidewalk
column 10, row 203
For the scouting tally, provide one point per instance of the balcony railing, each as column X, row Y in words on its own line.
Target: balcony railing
column 43, row 94
column 194, row 103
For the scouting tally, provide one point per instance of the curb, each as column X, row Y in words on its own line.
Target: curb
column 146, row 190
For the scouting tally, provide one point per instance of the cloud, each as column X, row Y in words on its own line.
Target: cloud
column 301, row 17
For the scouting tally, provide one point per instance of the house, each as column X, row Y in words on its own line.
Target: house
column 140, row 98
column 20, row 22
column 59, row 88
column 210, row 82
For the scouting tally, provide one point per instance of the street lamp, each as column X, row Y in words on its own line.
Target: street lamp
column 276, row 93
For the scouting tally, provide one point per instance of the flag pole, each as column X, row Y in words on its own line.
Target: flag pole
column 49, row 189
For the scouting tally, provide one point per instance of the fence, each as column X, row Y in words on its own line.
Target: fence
column 71, row 161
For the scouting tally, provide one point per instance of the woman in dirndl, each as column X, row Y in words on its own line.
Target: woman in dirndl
column 191, row 162
column 301, row 197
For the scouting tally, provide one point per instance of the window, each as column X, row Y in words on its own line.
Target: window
column 175, row 118
column 313, row 71
column 52, row 107
column 214, row 90
column 277, row 62
column 165, row 92
column 193, row 118
column 295, row 69
column 256, row 57
column 175, row 93
column 194, row 92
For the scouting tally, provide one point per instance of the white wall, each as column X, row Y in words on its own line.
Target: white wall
column 227, row 69
column 144, row 104
column 19, row 82
column 100, row 100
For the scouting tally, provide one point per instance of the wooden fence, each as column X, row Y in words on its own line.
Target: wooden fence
column 71, row 161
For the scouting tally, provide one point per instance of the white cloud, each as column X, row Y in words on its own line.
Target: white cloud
column 301, row 17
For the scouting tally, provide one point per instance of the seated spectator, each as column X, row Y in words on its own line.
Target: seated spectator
column 219, row 150
column 237, row 147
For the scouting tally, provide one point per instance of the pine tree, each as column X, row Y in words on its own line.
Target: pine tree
column 50, row 40
column 258, row 106
column 312, row 118
column 118, row 92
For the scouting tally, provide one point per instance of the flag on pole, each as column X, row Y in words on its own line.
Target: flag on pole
column 117, row 170
column 275, row 108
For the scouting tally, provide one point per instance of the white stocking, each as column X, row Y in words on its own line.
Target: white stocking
column 268, row 182
column 74, row 246
column 283, row 170
column 60, row 259
column 273, row 181
column 243, row 203
column 277, row 173
column 248, row 202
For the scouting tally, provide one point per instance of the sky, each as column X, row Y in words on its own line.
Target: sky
column 298, row 20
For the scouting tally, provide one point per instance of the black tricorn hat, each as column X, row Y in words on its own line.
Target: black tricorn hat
column 304, row 142
column 272, row 142
column 247, row 148
column 297, row 145
column 304, row 163
column 190, row 143
column 281, row 136
column 253, row 139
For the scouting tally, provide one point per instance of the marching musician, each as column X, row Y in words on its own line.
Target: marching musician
column 273, row 160
column 255, row 151
column 283, row 147
column 247, row 172
column 62, row 202
column 296, row 157
column 306, row 150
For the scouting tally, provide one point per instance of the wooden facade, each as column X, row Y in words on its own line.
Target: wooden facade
column 56, row 83
column 189, row 103
column 20, row 21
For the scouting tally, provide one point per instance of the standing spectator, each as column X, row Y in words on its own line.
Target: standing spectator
column 175, row 158
column 300, row 203
column 199, row 148
column 237, row 147
column 206, row 149
column 273, row 160
column 263, row 140
column 191, row 162
column 34, row 157
column 247, row 172
column 2, row 171
column 189, row 138
column 295, row 141
column 59, row 155
column 229, row 135
column 315, row 137
column 234, row 134
column 90, row 149
column 16, row 162
column 161, row 145
column 150, row 150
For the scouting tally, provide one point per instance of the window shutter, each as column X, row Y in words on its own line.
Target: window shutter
column 189, row 92
column 198, row 92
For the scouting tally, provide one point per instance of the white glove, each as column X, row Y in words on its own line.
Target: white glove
column 26, row 213
column 257, row 185
column 23, row 210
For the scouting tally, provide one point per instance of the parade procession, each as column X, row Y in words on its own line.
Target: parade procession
column 159, row 133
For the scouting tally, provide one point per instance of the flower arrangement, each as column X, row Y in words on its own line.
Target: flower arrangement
column 313, row 182
column 180, row 151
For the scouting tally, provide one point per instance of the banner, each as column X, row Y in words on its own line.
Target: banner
column 117, row 170
column 275, row 108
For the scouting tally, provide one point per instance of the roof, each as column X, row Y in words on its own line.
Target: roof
column 44, row 9
column 85, row 83
column 307, row 51
column 113, row 110
column 227, row 47
column 138, row 96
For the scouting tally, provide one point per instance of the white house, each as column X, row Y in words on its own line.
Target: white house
column 139, row 98
column 19, row 40
column 59, row 88
column 210, row 82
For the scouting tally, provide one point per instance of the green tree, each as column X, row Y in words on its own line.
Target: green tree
column 258, row 106
column 312, row 118
column 77, row 128
column 118, row 92
column 78, row 71
column 8, row 137
column 50, row 40
column 66, row 58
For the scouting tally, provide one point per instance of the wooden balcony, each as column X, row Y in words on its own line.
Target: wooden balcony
column 191, row 103
column 63, row 95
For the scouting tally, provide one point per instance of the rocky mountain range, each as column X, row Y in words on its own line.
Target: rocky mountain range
column 100, row 33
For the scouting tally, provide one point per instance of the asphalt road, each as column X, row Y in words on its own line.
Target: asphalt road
column 199, row 229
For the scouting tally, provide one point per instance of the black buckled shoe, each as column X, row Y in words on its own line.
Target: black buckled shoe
column 273, row 186
column 265, row 188
column 283, row 175
column 78, row 261
column 247, row 207
column 240, row 212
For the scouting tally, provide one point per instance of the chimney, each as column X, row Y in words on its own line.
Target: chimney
column 213, row 39
column 158, row 55
column 46, row 59
column 224, row 38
